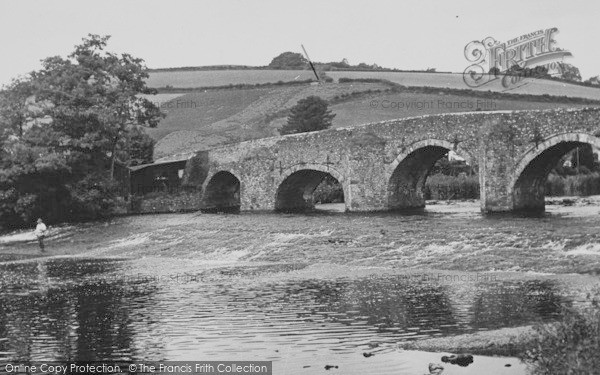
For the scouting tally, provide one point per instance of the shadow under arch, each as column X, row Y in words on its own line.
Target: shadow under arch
column 528, row 180
column 222, row 193
column 409, row 171
column 297, row 184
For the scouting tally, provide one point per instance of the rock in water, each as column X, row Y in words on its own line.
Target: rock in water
column 458, row 359
column 435, row 369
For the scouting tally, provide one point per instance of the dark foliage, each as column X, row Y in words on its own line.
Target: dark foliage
column 63, row 128
column 289, row 60
column 329, row 191
column 569, row 346
column 310, row 114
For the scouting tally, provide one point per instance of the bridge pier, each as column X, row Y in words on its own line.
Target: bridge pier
column 222, row 193
column 511, row 181
column 407, row 183
column 296, row 192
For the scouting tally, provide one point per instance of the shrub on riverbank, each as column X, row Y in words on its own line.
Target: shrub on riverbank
column 445, row 187
column 438, row 186
column 570, row 346
column 329, row 191
column 581, row 184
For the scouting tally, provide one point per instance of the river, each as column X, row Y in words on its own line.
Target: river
column 302, row 290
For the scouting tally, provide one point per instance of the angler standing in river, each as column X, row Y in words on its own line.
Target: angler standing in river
column 40, row 233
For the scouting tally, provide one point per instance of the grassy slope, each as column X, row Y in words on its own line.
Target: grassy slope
column 210, row 118
column 359, row 111
column 236, row 115
column 198, row 110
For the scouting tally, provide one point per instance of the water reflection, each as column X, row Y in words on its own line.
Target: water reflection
column 93, row 310
column 416, row 307
column 395, row 305
column 58, row 311
column 500, row 305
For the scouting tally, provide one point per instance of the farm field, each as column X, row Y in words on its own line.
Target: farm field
column 381, row 107
column 209, row 78
column 528, row 86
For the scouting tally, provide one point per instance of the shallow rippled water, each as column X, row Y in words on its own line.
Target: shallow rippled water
column 309, row 291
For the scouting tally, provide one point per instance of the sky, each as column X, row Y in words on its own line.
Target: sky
column 397, row 34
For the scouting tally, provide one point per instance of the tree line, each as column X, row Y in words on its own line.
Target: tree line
column 65, row 128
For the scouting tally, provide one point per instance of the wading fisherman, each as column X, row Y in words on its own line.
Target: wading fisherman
column 40, row 233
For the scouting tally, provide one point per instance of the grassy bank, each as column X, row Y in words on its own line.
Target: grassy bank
column 569, row 346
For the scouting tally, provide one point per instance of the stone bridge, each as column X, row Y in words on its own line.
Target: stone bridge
column 383, row 166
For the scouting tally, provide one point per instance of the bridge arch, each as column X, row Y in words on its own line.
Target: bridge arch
column 528, row 179
column 222, row 192
column 407, row 174
column 296, row 184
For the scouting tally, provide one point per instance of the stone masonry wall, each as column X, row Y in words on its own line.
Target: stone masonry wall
column 364, row 158
column 187, row 200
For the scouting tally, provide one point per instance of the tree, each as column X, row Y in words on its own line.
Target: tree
column 62, row 129
column 341, row 65
column 595, row 81
column 14, row 107
column 583, row 156
column 569, row 72
column 289, row 60
column 495, row 71
column 94, row 96
column 138, row 148
column 309, row 114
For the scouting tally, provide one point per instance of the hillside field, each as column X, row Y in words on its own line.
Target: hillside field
column 232, row 115
column 211, row 78
column 197, row 110
column 528, row 86
column 361, row 111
